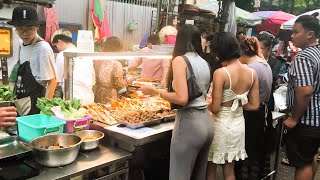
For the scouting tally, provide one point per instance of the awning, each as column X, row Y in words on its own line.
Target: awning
column 243, row 17
column 288, row 25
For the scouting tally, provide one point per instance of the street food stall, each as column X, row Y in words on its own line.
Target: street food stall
column 136, row 123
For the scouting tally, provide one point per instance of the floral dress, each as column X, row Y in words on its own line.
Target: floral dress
column 109, row 80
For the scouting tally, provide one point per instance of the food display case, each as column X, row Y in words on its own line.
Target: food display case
column 124, row 120
column 136, row 110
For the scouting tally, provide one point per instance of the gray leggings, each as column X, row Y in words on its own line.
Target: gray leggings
column 191, row 140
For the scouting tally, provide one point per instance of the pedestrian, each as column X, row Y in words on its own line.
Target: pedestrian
column 192, row 133
column 34, row 75
column 303, row 98
column 83, row 71
column 206, row 42
column 257, row 165
column 266, row 43
column 231, row 94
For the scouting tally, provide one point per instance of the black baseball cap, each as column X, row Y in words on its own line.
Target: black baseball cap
column 24, row 16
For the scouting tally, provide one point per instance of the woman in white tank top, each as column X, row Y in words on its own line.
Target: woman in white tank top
column 231, row 94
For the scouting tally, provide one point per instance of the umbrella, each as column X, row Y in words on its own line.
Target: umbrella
column 274, row 17
column 271, row 21
column 243, row 17
column 288, row 25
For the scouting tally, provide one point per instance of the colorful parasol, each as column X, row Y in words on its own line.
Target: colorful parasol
column 274, row 17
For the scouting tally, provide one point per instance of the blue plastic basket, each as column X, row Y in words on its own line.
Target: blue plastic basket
column 33, row 126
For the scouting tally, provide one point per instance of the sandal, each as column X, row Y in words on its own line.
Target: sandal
column 285, row 161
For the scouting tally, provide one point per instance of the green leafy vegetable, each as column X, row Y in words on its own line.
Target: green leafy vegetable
column 69, row 109
column 5, row 93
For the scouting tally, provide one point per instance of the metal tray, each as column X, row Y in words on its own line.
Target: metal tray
column 140, row 125
column 12, row 146
column 171, row 117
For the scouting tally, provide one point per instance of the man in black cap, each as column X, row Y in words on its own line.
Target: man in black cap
column 34, row 74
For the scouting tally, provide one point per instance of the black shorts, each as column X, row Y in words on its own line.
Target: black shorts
column 302, row 144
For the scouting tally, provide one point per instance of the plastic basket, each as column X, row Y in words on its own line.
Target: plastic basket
column 77, row 124
column 33, row 126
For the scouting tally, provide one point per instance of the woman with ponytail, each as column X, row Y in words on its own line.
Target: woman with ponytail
column 255, row 121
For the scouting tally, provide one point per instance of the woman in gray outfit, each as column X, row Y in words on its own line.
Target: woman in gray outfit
column 192, row 134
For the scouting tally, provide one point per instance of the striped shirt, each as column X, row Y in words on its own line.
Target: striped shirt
column 305, row 71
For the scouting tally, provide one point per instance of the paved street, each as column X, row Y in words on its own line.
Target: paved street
column 284, row 173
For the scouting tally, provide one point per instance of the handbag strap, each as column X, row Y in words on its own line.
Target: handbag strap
column 191, row 69
column 189, row 65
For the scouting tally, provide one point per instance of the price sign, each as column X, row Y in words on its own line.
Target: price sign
column 5, row 42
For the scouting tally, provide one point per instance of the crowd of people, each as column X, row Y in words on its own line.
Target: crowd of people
column 230, row 126
column 240, row 127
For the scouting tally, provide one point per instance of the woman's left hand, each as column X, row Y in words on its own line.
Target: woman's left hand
column 148, row 90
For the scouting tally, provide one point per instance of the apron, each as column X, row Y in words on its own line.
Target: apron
column 27, row 89
column 27, row 86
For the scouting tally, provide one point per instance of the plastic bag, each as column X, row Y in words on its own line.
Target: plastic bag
column 280, row 99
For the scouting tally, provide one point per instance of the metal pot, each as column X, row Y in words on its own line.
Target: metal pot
column 89, row 144
column 70, row 145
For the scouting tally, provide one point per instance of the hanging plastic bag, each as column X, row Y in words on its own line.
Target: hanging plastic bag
column 280, row 99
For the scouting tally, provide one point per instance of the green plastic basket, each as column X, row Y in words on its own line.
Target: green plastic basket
column 33, row 126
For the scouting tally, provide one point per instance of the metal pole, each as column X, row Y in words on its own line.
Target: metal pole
column 276, row 163
column 4, row 69
column 68, row 78
column 159, row 2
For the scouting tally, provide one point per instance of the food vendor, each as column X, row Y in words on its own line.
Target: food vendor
column 154, row 68
column 83, row 72
column 110, row 79
column 34, row 74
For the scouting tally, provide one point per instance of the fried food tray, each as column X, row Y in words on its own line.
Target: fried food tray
column 142, row 124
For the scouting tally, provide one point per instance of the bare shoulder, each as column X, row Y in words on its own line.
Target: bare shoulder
column 219, row 74
column 178, row 61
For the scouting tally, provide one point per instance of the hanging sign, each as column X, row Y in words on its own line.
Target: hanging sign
column 5, row 42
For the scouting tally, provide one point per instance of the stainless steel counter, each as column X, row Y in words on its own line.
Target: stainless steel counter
column 85, row 163
column 141, row 136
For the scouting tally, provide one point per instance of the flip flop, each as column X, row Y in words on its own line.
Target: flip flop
column 285, row 161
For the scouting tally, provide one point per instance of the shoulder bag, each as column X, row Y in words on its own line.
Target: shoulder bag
column 194, row 91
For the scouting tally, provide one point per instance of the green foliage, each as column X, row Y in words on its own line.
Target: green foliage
column 303, row 3
column 295, row 7
column 247, row 5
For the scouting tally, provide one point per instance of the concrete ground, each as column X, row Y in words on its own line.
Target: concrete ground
column 284, row 172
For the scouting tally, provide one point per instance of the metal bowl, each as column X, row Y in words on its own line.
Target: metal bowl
column 56, row 157
column 89, row 144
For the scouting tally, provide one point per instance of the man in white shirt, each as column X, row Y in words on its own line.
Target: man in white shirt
column 83, row 73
